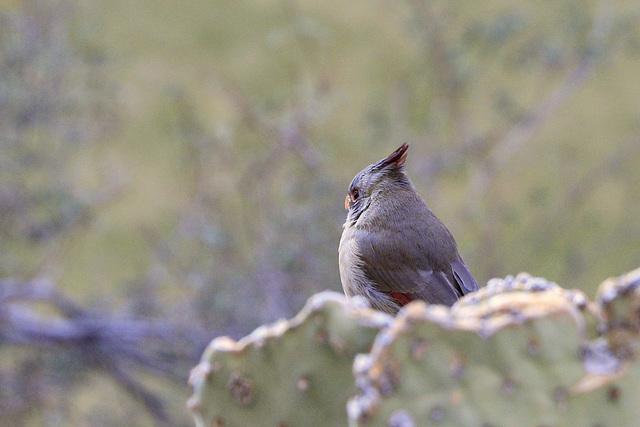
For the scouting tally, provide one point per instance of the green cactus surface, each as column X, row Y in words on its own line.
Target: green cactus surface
column 291, row 373
column 515, row 353
column 619, row 299
column 519, row 352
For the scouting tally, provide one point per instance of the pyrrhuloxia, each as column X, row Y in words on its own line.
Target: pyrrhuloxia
column 393, row 249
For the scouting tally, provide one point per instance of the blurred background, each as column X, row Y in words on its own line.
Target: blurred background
column 174, row 171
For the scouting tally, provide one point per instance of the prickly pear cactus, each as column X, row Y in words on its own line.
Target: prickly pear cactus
column 521, row 351
column 514, row 353
column 619, row 299
column 291, row 373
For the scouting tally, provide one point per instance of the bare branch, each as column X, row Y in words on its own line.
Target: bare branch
column 119, row 346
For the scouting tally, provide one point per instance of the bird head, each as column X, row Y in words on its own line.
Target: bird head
column 383, row 175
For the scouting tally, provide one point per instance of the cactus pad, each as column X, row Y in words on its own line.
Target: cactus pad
column 295, row 372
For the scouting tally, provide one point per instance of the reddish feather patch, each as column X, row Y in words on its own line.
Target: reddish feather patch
column 400, row 298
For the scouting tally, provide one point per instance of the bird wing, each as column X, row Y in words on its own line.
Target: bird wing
column 463, row 276
column 406, row 272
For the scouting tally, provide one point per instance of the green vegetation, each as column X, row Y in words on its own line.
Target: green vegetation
column 295, row 372
column 521, row 351
column 517, row 354
column 187, row 162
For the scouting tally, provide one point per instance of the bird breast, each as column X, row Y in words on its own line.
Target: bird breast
column 351, row 274
column 353, row 278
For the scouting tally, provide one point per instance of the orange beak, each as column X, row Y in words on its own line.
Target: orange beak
column 347, row 205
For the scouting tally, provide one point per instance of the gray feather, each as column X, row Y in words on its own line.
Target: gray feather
column 393, row 243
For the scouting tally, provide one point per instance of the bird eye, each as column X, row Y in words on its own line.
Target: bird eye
column 355, row 194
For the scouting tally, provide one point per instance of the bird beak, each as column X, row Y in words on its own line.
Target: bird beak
column 347, row 205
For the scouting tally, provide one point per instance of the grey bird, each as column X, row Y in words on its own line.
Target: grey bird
column 393, row 249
